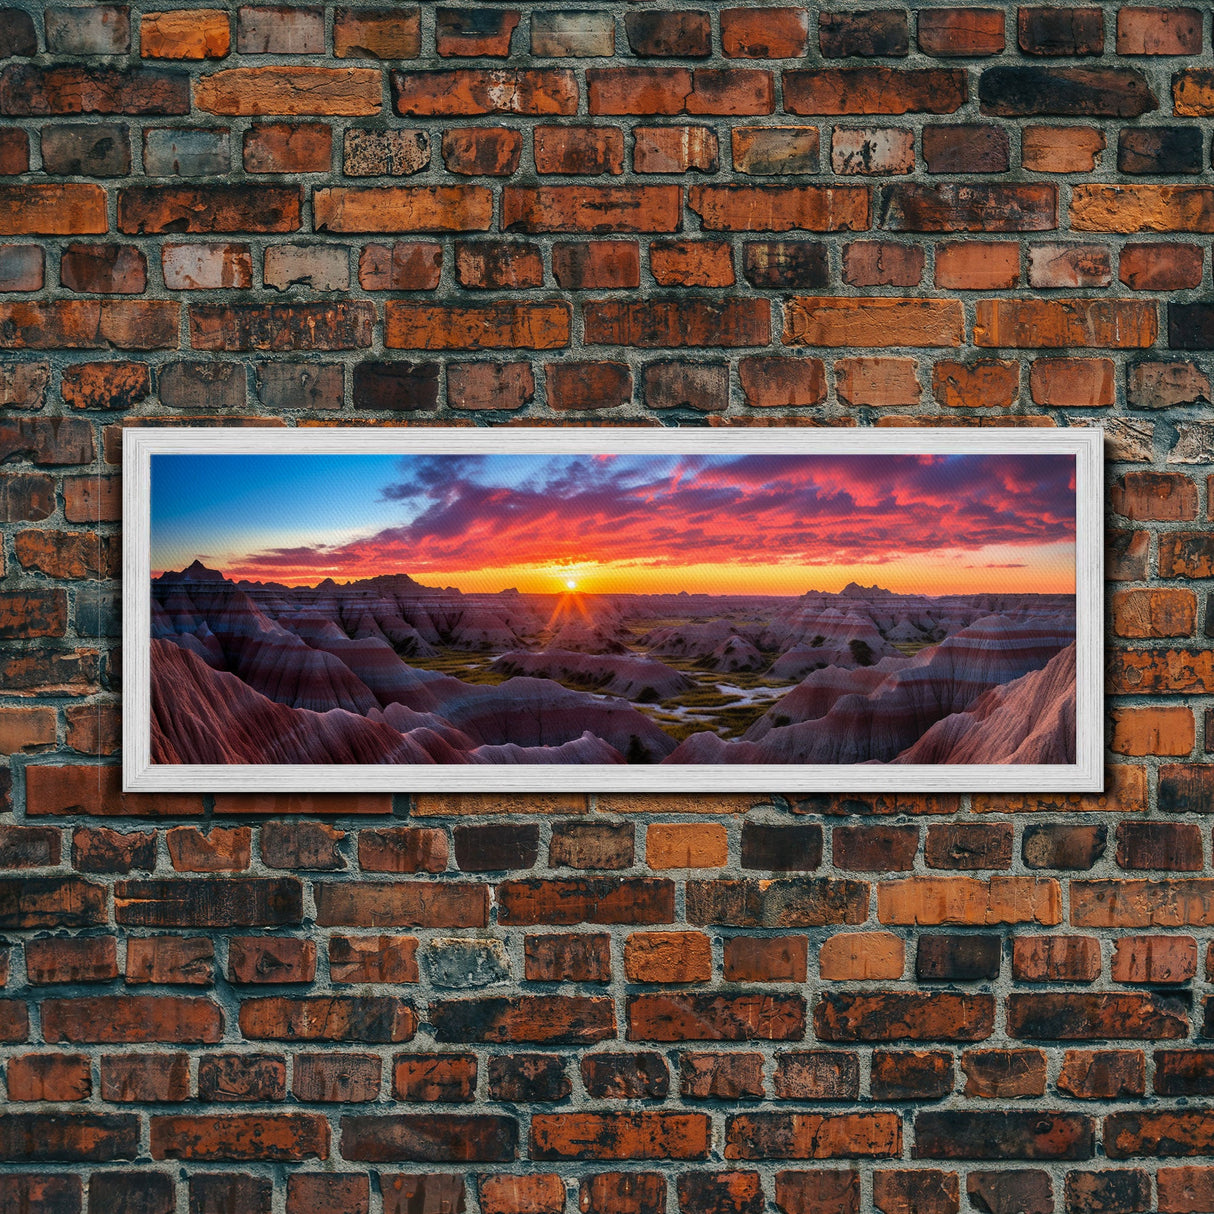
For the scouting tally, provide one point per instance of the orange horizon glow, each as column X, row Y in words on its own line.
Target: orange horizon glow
column 929, row 576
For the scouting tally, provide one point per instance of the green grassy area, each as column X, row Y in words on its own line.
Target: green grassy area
column 460, row 664
column 910, row 648
column 701, row 697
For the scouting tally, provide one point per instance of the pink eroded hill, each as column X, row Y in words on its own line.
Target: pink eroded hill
column 879, row 725
column 200, row 715
column 1030, row 720
column 642, row 679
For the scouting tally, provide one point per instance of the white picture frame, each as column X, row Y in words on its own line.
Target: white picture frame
column 141, row 446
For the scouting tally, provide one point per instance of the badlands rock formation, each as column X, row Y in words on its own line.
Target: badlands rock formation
column 387, row 670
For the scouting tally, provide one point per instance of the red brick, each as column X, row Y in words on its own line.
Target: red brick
column 795, row 383
column 468, row 92
column 1148, row 731
column 145, row 1077
column 1029, row 323
column 132, row 1018
column 582, row 385
column 485, row 33
column 691, row 263
column 375, row 959
column 431, row 1138
column 278, row 327
column 1069, row 265
column 242, row 1137
column 596, row 264
column 290, row 90
column 402, row 266
column 402, row 209
column 14, row 152
column 417, row 903
column 1159, row 31
column 978, row 266
column 28, row 846
column 241, row 1077
column 572, row 957
column 668, row 957
column 656, row 323
column 185, row 34
column 974, row 207
column 683, row 33
column 679, row 90
column 33, row 613
column 34, row 1077
column 372, row 1018
column 69, row 1137
column 103, row 269
column 874, row 90
column 1155, row 960
column 197, row 267
column 482, row 151
column 376, row 33
column 549, row 1019
column 703, row 1016
column 630, row 1135
column 961, row 32
column 71, row 960
column 336, row 1078
column 810, row 208
column 222, row 849
column 89, row 324
column 1162, row 496
column 208, row 209
column 985, row 384
column 872, row 321
column 807, row 1135
column 766, row 33
column 499, row 265
column 322, row 1193
column 1072, row 382
column 875, row 263
column 921, row 1191
column 882, row 382
column 271, row 959
column 674, row 149
column 23, row 386
column 31, row 91
column 588, row 150
column 729, row 1076
column 1161, row 267
column 434, row 1077
column 1102, row 1074
column 169, row 960
column 539, row 1194
column 1061, row 149
column 581, row 208
column 1055, row 958
column 285, row 147
column 21, row 268
column 868, row 151
column 686, row 385
column 531, row 326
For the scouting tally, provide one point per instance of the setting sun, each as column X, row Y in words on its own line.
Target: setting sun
column 570, row 584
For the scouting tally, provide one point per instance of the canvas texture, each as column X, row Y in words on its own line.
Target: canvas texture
column 831, row 215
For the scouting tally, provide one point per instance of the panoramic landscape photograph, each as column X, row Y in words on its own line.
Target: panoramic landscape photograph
column 631, row 608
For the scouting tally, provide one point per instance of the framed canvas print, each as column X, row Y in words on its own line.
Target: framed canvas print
column 647, row 610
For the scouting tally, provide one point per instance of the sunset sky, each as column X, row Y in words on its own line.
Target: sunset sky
column 762, row 524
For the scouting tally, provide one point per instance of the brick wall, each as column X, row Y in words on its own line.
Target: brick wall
column 613, row 1005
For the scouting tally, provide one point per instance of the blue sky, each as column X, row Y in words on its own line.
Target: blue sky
column 744, row 523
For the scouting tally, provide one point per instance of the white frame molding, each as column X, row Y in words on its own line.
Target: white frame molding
column 1086, row 775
